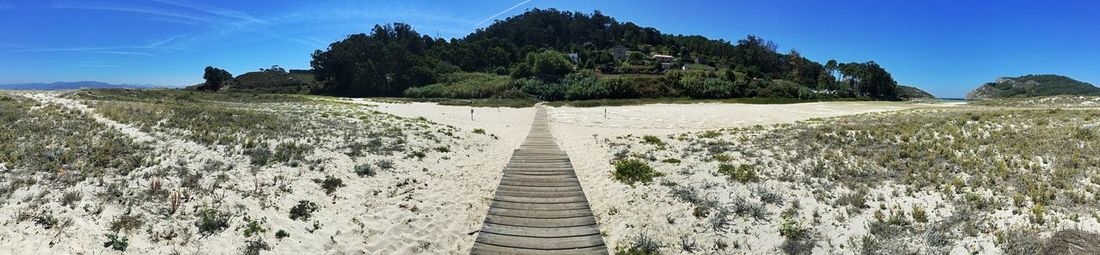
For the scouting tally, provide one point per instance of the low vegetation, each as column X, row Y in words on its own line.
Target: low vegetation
column 917, row 181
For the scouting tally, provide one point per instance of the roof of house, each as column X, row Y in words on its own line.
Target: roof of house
column 661, row 56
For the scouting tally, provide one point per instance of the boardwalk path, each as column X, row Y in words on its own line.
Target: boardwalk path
column 539, row 207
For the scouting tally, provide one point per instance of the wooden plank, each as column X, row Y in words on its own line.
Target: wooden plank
column 540, row 200
column 539, row 206
column 541, row 232
column 546, row 214
column 540, row 223
column 490, row 249
column 539, row 243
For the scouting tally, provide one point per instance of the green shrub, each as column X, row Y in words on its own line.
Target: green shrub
column 648, row 139
column 463, row 85
column 303, row 211
column 330, row 184
column 542, row 90
column 212, row 221
column 253, row 227
column 919, row 215
column 116, row 242
column 479, row 131
column 365, row 170
column 631, row 171
column 741, row 173
column 281, row 234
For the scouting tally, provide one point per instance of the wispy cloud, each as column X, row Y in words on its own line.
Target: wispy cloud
column 95, row 50
column 95, row 6
column 223, row 12
column 502, row 12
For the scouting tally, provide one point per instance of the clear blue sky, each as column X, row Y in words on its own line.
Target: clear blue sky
column 945, row 47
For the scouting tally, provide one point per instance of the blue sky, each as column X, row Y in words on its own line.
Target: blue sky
column 945, row 47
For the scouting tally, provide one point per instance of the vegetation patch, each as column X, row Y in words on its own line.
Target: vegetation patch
column 631, row 171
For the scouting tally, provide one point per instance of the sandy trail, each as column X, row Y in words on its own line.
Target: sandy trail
column 468, row 188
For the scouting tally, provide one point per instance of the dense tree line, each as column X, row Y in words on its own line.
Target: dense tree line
column 531, row 47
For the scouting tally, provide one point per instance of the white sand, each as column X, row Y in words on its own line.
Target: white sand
column 450, row 194
column 622, row 211
column 429, row 206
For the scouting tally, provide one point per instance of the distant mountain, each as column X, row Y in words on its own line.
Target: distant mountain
column 912, row 93
column 73, row 85
column 1032, row 86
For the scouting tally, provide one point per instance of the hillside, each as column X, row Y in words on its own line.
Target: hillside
column 72, row 85
column 1032, row 86
column 547, row 54
column 912, row 93
column 273, row 80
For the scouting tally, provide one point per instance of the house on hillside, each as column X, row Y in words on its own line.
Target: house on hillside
column 619, row 53
column 663, row 58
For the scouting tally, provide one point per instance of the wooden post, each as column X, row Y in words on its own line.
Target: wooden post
column 471, row 114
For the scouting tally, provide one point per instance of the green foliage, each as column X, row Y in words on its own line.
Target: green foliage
column 913, row 93
column 632, row 171
column 274, row 80
column 919, row 215
column 1033, row 86
column 649, row 139
column 740, row 173
column 330, row 184
column 253, row 227
column 546, row 65
column 281, row 234
column 541, row 89
column 385, row 63
column 215, row 78
column 463, row 85
column 395, row 58
column 116, row 242
column 641, row 244
column 303, row 210
column 211, row 221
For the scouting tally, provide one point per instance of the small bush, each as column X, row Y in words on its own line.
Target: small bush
column 304, row 210
column 330, row 184
column 1019, row 241
column 640, row 244
column 253, row 227
column 479, row 131
column 671, row 160
column 281, row 234
column 631, row 171
column 741, row 173
column 115, row 242
column 365, row 170
column 799, row 239
column 254, row 246
column 212, row 221
column 652, row 140
column 919, row 215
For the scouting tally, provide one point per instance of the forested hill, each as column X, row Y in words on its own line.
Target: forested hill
column 1033, row 85
column 552, row 55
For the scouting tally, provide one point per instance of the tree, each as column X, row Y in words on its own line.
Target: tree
column 547, row 65
column 385, row 63
column 215, row 78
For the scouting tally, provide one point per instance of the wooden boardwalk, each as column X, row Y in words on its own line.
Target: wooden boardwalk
column 539, row 207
